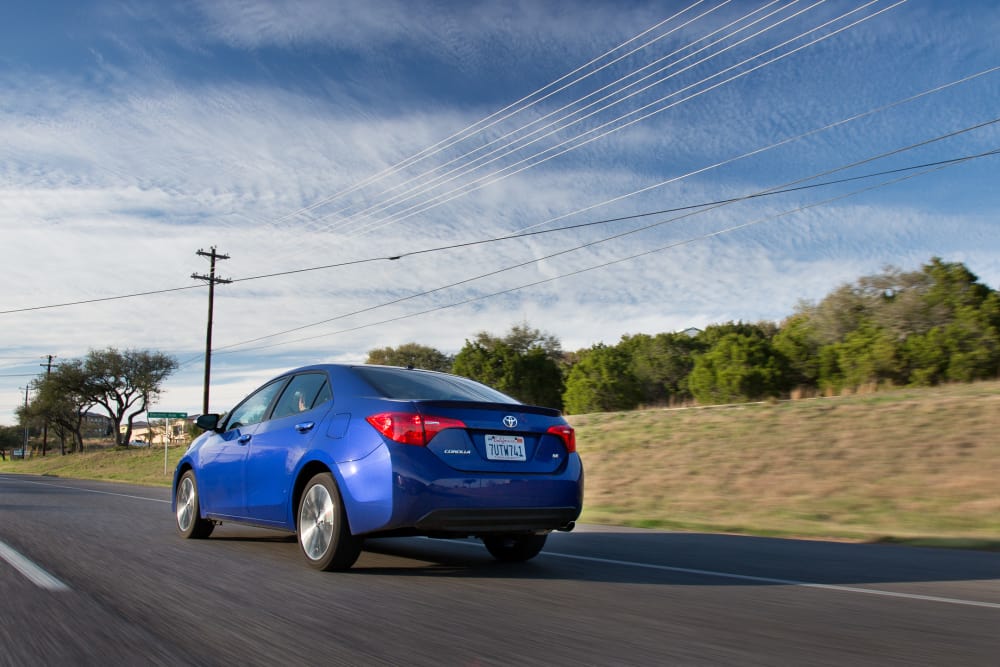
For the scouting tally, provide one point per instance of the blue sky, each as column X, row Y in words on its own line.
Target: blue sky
column 292, row 135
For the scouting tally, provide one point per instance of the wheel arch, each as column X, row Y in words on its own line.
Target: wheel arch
column 308, row 471
column 182, row 468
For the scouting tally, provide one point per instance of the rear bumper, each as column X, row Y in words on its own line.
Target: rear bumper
column 505, row 520
column 428, row 497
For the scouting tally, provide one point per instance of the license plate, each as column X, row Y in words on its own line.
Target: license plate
column 505, row 447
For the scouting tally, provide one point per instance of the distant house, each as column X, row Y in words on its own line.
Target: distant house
column 153, row 432
column 97, row 425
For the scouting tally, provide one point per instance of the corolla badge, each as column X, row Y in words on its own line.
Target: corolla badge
column 510, row 421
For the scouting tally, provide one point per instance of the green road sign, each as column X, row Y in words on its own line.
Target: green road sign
column 167, row 415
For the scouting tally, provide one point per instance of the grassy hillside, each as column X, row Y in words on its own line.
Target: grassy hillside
column 900, row 464
column 896, row 464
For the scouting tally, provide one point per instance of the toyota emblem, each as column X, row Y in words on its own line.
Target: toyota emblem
column 510, row 421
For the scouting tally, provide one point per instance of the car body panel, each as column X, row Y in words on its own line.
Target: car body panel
column 274, row 452
column 219, row 472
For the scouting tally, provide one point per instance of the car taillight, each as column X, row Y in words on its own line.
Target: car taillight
column 568, row 435
column 408, row 428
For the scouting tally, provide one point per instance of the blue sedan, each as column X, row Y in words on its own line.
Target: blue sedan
column 338, row 453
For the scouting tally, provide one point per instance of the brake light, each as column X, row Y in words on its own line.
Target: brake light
column 568, row 435
column 408, row 428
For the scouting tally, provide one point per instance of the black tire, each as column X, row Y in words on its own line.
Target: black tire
column 189, row 523
column 514, row 548
column 323, row 532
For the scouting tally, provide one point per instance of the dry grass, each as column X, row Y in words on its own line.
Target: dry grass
column 135, row 466
column 896, row 464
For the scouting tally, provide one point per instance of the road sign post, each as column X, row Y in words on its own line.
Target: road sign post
column 165, row 416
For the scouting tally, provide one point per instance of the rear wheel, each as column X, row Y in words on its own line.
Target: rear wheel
column 324, row 536
column 189, row 522
column 514, row 548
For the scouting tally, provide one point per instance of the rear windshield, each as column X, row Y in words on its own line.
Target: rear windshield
column 406, row 384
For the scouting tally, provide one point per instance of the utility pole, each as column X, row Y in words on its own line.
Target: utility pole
column 24, row 447
column 212, row 280
column 45, row 424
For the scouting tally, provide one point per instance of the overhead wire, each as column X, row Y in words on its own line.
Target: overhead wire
column 383, row 203
column 499, row 175
column 620, row 260
column 471, row 130
column 508, row 237
column 498, row 116
column 531, row 161
column 646, row 227
column 516, row 144
column 100, row 299
column 522, row 231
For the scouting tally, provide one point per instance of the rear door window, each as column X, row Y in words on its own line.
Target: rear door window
column 303, row 393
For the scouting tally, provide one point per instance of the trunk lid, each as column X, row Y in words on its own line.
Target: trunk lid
column 498, row 437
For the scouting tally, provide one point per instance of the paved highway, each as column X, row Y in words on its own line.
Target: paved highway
column 93, row 574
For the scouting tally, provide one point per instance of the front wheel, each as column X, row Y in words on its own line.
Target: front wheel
column 514, row 548
column 189, row 522
column 324, row 536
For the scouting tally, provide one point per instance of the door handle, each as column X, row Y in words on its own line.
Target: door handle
column 304, row 426
column 243, row 439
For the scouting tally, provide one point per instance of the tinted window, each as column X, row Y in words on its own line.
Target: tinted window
column 415, row 385
column 303, row 393
column 254, row 408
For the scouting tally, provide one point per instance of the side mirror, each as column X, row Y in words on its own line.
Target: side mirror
column 207, row 422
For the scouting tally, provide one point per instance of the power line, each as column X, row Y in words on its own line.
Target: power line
column 484, row 123
column 522, row 234
column 512, row 146
column 390, row 220
column 176, row 289
column 416, row 190
column 656, row 224
column 688, row 241
column 610, row 127
column 99, row 299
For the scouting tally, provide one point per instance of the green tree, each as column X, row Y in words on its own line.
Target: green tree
column 62, row 398
column 411, row 354
column 739, row 367
column 602, row 380
column 926, row 357
column 523, row 364
column 11, row 437
column 973, row 346
column 124, row 383
column 868, row 355
column 798, row 341
column 716, row 332
column 918, row 327
column 661, row 365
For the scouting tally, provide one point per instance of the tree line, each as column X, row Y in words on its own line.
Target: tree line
column 120, row 383
column 897, row 328
column 918, row 328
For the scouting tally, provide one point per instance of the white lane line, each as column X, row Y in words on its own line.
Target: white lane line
column 35, row 574
column 772, row 580
column 80, row 488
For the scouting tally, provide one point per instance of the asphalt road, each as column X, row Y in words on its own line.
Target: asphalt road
column 115, row 585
